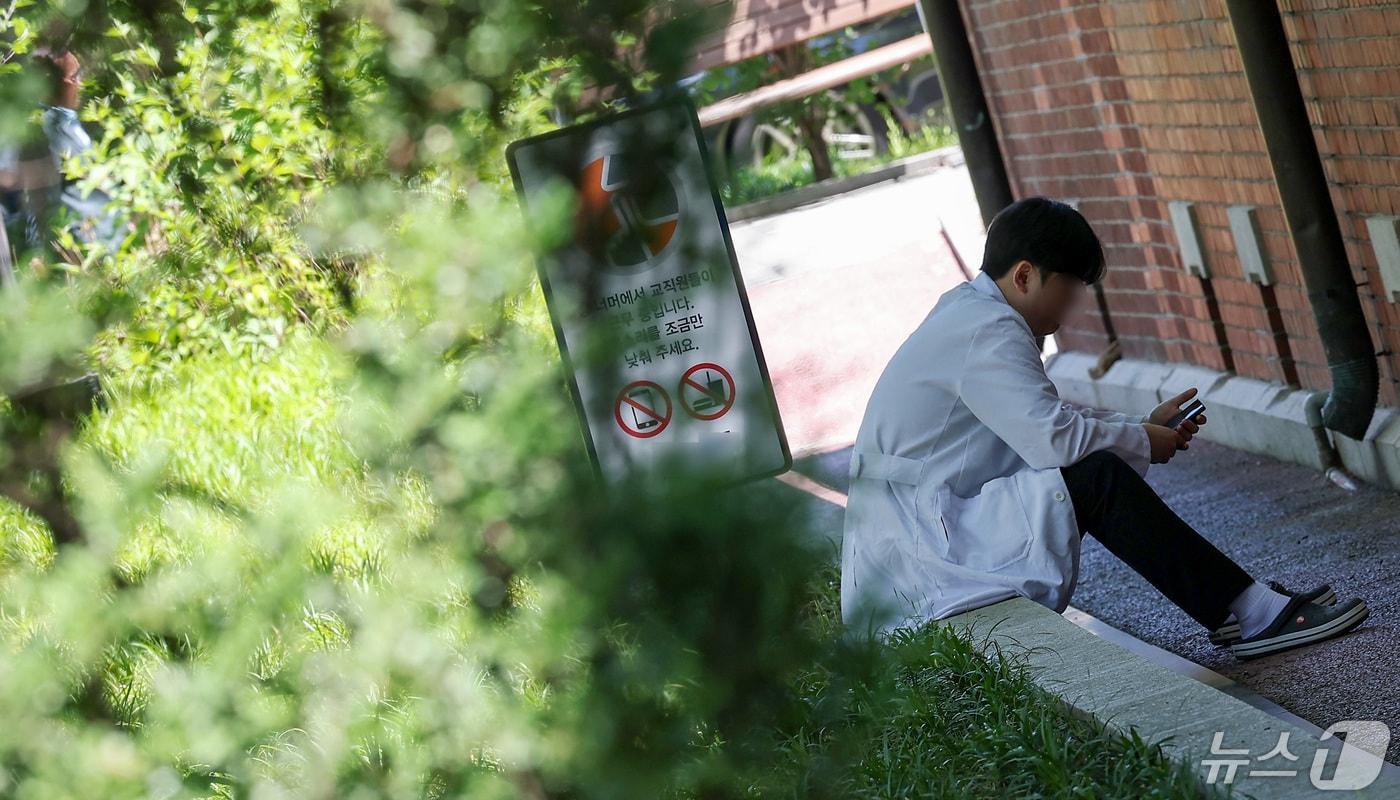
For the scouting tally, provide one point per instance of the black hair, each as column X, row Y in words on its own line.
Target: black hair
column 1051, row 235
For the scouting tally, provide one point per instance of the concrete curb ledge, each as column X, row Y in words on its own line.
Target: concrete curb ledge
column 1104, row 682
column 917, row 164
column 1244, row 413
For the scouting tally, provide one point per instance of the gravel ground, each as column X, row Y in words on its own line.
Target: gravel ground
column 1285, row 522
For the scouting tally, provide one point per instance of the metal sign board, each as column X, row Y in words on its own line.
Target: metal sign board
column 648, row 304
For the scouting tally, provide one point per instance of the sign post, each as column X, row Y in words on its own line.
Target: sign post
column 647, row 300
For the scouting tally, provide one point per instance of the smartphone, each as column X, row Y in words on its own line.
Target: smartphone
column 1190, row 410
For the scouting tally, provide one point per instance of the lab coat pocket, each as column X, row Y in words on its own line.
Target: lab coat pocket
column 988, row 531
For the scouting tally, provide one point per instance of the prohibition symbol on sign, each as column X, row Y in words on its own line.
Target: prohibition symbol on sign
column 707, row 391
column 638, row 409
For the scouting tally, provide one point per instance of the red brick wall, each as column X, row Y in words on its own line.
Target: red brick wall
column 1125, row 105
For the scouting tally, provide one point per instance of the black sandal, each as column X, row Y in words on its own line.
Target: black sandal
column 1230, row 631
column 1302, row 622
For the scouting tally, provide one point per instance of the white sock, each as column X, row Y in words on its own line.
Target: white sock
column 1256, row 607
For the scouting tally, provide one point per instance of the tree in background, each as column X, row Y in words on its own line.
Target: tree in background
column 812, row 123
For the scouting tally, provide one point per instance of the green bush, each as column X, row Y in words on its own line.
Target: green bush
column 335, row 537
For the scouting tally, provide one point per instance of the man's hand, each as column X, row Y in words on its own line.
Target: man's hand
column 1169, row 408
column 1165, row 442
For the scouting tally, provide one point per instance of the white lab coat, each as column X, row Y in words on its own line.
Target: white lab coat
column 956, row 498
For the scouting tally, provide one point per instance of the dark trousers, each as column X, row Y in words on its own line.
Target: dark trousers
column 1120, row 509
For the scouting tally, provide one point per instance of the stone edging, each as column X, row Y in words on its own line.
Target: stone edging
column 1099, row 680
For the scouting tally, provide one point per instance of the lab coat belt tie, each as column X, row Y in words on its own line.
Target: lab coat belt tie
column 883, row 466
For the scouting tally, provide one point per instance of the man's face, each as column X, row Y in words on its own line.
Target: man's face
column 1044, row 304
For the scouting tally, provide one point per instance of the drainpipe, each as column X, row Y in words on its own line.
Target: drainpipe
column 1331, row 461
column 1312, row 221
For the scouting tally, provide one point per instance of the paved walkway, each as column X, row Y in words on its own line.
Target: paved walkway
column 836, row 286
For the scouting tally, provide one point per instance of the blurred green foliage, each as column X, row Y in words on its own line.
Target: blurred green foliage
column 336, row 534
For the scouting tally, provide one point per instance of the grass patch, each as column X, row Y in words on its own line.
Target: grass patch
column 25, row 542
column 207, row 452
column 220, row 437
column 749, row 183
column 940, row 715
